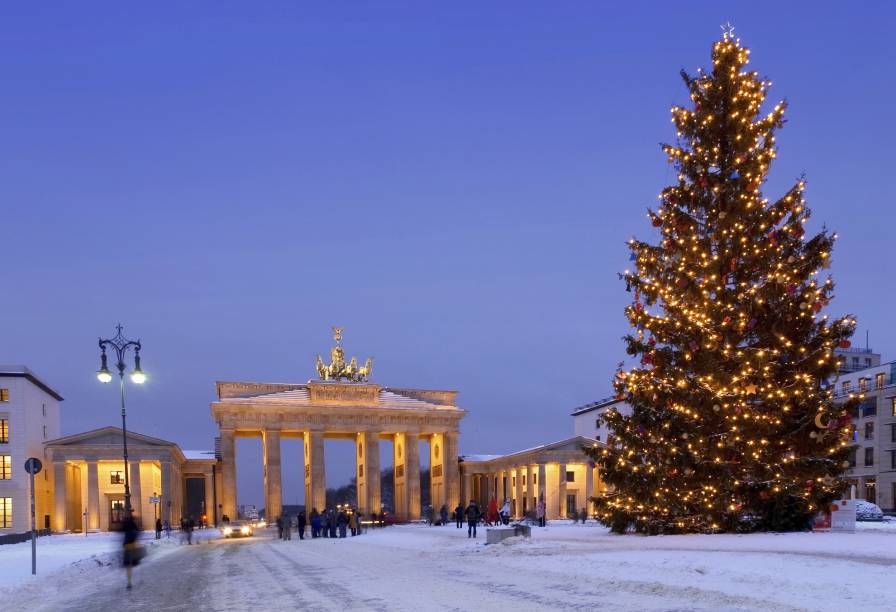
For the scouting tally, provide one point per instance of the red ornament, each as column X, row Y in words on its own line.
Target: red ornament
column 726, row 320
column 657, row 222
column 703, row 181
column 817, row 306
column 733, row 264
column 845, row 344
column 752, row 187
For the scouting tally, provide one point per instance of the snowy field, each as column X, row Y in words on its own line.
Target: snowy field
column 562, row 567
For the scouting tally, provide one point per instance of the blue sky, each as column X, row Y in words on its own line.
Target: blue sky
column 452, row 184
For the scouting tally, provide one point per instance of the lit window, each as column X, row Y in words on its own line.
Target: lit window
column 4, row 395
column 5, row 512
column 5, row 467
column 570, row 476
column 880, row 380
column 115, row 477
column 4, row 429
column 869, row 430
column 845, row 386
column 863, row 384
column 869, row 455
column 893, row 406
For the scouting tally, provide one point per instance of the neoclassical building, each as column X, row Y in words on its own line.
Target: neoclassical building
column 560, row 473
column 88, row 475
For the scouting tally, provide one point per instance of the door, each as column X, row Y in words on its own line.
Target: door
column 571, row 505
column 116, row 514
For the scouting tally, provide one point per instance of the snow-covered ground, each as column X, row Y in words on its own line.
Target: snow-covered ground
column 562, row 566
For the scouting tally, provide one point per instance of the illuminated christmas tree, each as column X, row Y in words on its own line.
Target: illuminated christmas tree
column 733, row 427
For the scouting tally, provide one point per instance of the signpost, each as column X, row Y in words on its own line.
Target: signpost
column 33, row 466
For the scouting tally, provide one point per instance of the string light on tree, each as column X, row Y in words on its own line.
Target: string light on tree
column 733, row 427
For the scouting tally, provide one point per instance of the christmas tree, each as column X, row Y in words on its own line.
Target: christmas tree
column 733, row 427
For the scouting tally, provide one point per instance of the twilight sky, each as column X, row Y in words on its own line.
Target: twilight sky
column 452, row 183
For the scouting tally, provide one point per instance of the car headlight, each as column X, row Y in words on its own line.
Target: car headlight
column 244, row 531
column 228, row 531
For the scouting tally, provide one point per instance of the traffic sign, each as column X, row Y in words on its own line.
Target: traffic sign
column 153, row 500
column 33, row 465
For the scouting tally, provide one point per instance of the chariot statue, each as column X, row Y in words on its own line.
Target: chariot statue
column 337, row 369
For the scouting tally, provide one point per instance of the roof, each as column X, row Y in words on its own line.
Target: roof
column 574, row 441
column 386, row 398
column 603, row 403
column 106, row 431
column 20, row 371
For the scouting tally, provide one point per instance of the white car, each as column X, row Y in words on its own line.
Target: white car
column 866, row 511
column 237, row 529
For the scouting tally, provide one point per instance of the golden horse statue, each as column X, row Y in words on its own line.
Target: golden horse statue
column 337, row 369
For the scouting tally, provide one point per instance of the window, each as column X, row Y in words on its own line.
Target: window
column 893, row 461
column 867, row 362
column 863, row 384
column 4, row 395
column 535, row 478
column 880, row 380
column 115, row 477
column 893, row 406
column 869, row 455
column 5, row 467
column 868, row 407
column 893, row 437
column 525, row 478
column 570, row 476
column 4, row 430
column 513, row 481
column 5, row 512
column 855, row 363
column 845, row 386
column 597, row 423
column 43, row 408
column 870, row 490
column 45, row 432
column 869, row 431
column 852, row 456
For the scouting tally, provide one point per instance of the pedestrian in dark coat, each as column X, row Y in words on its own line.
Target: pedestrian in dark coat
column 158, row 529
column 342, row 521
column 315, row 523
column 300, row 520
column 472, row 514
column 443, row 515
column 331, row 517
column 459, row 515
column 279, row 528
column 133, row 551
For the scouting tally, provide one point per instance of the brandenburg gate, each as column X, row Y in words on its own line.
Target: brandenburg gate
column 342, row 404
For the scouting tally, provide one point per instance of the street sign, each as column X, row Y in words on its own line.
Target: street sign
column 154, row 500
column 33, row 465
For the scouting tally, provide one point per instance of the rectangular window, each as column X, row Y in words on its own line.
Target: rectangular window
column 4, row 431
column 871, row 490
column 880, row 380
column 597, row 423
column 863, row 384
column 535, row 478
column 5, row 467
column 893, row 436
column 869, row 430
column 845, row 386
column 45, row 432
column 513, row 481
column 4, row 395
column 852, row 456
column 5, row 512
column 525, row 478
column 570, row 476
column 43, row 408
column 869, row 456
column 893, row 461
column 868, row 407
column 116, row 477
column 893, row 406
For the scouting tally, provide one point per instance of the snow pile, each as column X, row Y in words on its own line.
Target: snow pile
column 866, row 511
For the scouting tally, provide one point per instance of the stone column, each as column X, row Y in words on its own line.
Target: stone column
column 372, row 472
column 167, row 500
column 400, row 494
column 273, row 484
column 227, row 495
column 589, row 488
column 561, row 490
column 519, row 492
column 486, row 485
column 467, row 490
column 541, row 492
column 412, row 474
column 436, row 471
column 60, row 493
column 136, row 493
column 209, row 499
column 552, row 492
column 452, row 471
column 93, row 496
column 315, row 472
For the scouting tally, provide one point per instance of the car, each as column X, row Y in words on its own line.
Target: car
column 866, row 511
column 237, row 529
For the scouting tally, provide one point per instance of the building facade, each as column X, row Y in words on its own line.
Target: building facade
column 873, row 460
column 588, row 419
column 561, row 474
column 29, row 416
column 165, row 482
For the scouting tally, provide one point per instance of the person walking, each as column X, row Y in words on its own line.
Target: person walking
column 300, row 523
column 279, row 523
column 472, row 514
column 459, row 515
column 505, row 512
column 158, row 529
column 167, row 526
column 342, row 521
column 353, row 523
column 133, row 551
column 287, row 527
column 315, row 523
column 540, row 512
column 332, row 518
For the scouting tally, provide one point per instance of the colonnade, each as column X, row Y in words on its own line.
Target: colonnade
column 444, row 475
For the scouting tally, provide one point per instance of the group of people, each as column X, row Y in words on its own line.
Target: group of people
column 331, row 523
column 493, row 515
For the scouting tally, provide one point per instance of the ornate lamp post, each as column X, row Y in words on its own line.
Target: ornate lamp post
column 120, row 345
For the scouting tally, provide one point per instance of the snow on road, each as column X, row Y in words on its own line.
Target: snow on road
column 562, row 567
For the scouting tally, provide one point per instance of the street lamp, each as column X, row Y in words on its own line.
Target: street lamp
column 120, row 345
